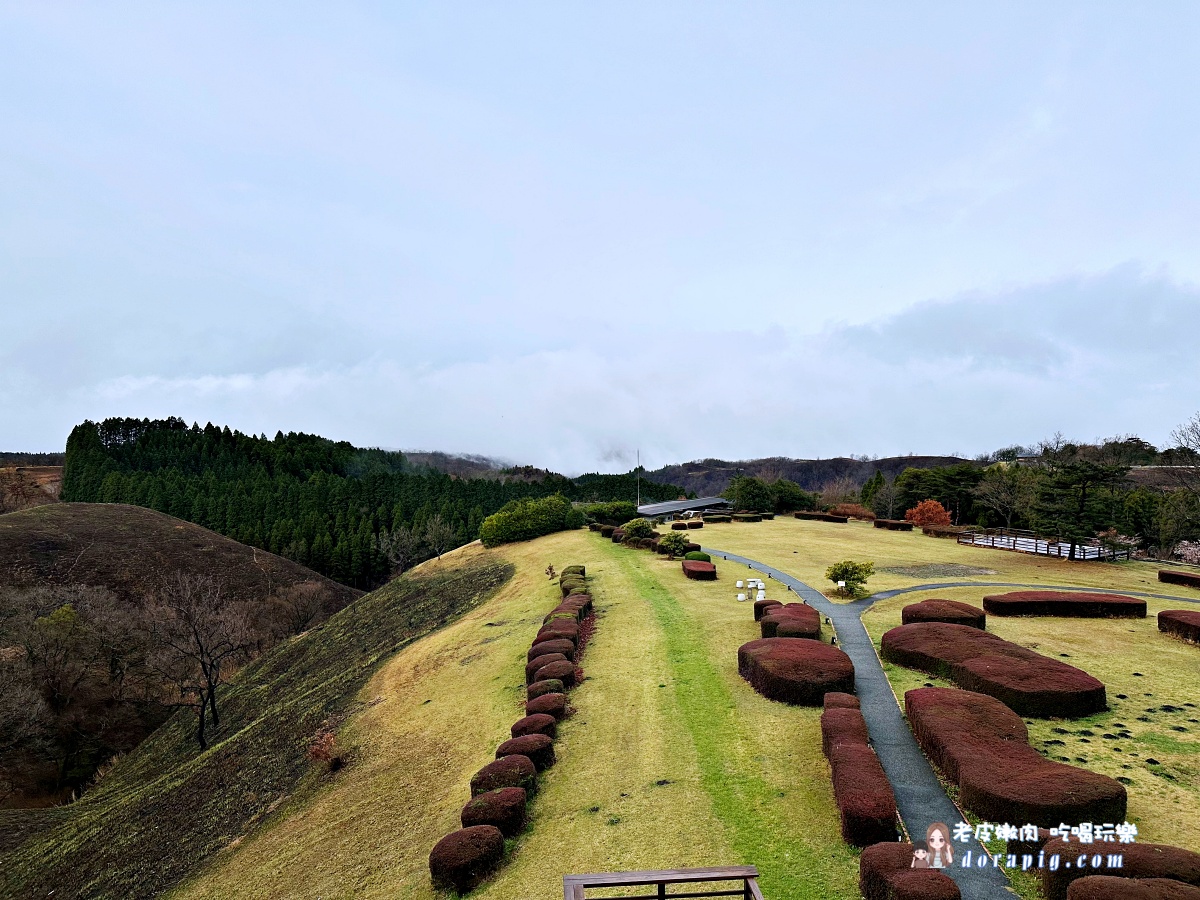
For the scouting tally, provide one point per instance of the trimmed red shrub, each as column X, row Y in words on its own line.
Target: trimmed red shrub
column 794, row 670
column 558, row 630
column 1032, row 847
column 836, row 700
column 618, row 536
column 982, row 746
column 820, row 516
column 463, row 859
column 594, row 526
column 1182, row 623
column 575, row 570
column 1140, row 861
column 853, row 511
column 679, row 526
column 950, row 611
column 538, row 688
column 691, row 547
column 761, row 606
column 1187, row 579
column 564, row 614
column 552, row 704
column 747, row 517
column 928, row 512
column 717, row 518
column 1075, row 604
column 573, row 585
column 863, row 795
column 503, row 808
column 701, row 571
column 532, row 667
column 559, row 645
column 1112, row 887
column 538, row 747
column 535, row 723
column 885, row 873
column 695, row 523
column 799, row 627
column 582, row 600
column 511, row 771
column 840, row 725
column 563, row 670
column 607, row 530
column 800, row 616
column 894, row 524
column 1029, row 683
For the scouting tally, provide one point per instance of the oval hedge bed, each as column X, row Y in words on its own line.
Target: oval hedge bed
column 503, row 808
column 885, row 873
column 1140, row 861
column 565, row 646
column 1075, row 604
column 1187, row 579
column 795, row 670
column 1182, row 623
column 951, row 611
column 511, row 771
column 821, row 517
column 535, row 723
column 762, row 606
column 464, row 858
column 861, row 790
column 796, row 620
column 835, row 700
column 982, row 746
column 1112, row 887
column 700, row 571
column 1029, row 683
column 552, row 704
column 894, row 524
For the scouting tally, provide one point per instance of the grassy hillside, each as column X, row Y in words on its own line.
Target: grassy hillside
column 129, row 550
column 669, row 760
column 166, row 808
column 24, row 487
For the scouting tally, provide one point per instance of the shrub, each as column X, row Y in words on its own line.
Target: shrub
column 796, row 620
column 928, row 512
column 855, row 574
column 540, row 688
column 799, row 672
column 1183, row 623
column 534, row 665
column 951, row 611
column 552, row 704
column 853, row 511
column 511, row 771
column 863, row 795
column 835, row 700
column 538, row 747
column 690, row 547
column 820, row 516
column 563, row 670
column 982, row 746
column 535, row 723
column 894, row 524
column 747, row 517
column 1141, row 861
column 610, row 513
column 607, row 530
column 695, row 523
column 1113, row 887
column 700, row 571
column 673, row 544
column 636, row 529
column 842, row 725
column 698, row 556
column 749, row 493
column 503, row 808
column 581, row 571
column 559, row 629
column 679, row 526
column 464, row 858
column 572, row 585
column 618, row 536
column 885, row 873
column 761, row 607
column 1187, row 579
column 522, row 520
column 713, row 519
column 1029, row 683
column 1076, row 604
column 559, row 645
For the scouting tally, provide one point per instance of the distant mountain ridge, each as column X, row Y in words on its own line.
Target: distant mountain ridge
column 708, row 477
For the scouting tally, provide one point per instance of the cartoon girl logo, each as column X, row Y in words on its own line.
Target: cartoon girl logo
column 937, row 839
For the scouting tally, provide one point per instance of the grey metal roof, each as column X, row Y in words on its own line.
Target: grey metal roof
column 674, row 506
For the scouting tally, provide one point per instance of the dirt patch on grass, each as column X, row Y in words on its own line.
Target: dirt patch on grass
column 938, row 570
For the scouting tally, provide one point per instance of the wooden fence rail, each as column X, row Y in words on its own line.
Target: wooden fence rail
column 574, row 886
column 1028, row 542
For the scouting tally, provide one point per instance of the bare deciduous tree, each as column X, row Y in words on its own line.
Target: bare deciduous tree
column 1007, row 490
column 401, row 546
column 440, row 535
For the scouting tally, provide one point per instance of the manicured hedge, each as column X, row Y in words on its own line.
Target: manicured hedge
column 538, row 747
column 944, row 531
column 1140, row 861
column 836, row 700
column 511, row 771
column 821, row 517
column 761, row 607
column 563, row 670
column 885, row 873
column 559, row 630
column 700, row 571
column 695, row 523
column 747, row 517
column 535, row 723
column 717, row 519
column 594, row 526
column 679, row 526
column 581, row 571
column 795, row 671
column 607, row 530
column 841, row 725
column 691, row 547
column 768, row 517
column 894, row 524
column 538, row 688
column 698, row 556
column 463, row 859
column 1077, row 604
column 503, row 808
column 982, row 746
column 540, row 662
column 802, row 621
column 860, row 788
column 951, row 611
column 552, row 703
column 1111, row 887
column 1183, row 623
column 1029, row 683
column 573, row 584
column 522, row 520
column 618, row 535
column 1187, row 579
column 556, row 645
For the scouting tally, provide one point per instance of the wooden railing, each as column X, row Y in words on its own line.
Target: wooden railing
column 574, row 886
column 1023, row 541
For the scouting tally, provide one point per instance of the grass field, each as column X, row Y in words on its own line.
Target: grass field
column 670, row 760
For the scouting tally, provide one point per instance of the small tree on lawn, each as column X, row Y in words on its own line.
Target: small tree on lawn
column 636, row 529
column 674, row 543
column 854, row 574
column 926, row 513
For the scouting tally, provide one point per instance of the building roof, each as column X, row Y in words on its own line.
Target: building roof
column 677, row 506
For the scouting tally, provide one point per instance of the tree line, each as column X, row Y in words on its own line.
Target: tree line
column 355, row 515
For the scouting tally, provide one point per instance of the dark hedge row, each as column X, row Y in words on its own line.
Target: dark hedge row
column 1029, row 683
column 885, row 873
column 1157, row 861
column 499, row 791
column 1187, row 579
column 950, row 611
column 1075, row 604
column 1112, row 887
column 821, row 517
column 747, row 517
column 700, row 571
column 860, row 788
column 795, row 670
column 793, row 620
column 1183, row 623
column 894, row 524
column 982, row 746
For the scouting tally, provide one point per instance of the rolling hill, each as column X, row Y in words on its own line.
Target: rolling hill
column 24, row 487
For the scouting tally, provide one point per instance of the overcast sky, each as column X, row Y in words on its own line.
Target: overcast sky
column 554, row 233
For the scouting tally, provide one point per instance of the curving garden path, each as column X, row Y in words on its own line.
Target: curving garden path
column 920, row 797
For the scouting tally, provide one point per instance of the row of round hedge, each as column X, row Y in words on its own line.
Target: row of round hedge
column 821, row 516
column 1070, row 604
column 500, row 790
column 861, row 789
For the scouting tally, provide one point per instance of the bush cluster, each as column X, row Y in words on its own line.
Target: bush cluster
column 610, row 513
column 894, row 524
column 522, row 520
column 852, row 510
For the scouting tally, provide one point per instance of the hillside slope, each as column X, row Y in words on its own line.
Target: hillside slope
column 166, row 808
column 129, row 550
column 708, row 477
column 24, row 487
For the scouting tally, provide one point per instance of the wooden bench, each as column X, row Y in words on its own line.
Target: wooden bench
column 574, row 886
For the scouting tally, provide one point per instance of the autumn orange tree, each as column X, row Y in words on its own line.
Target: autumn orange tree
column 928, row 512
